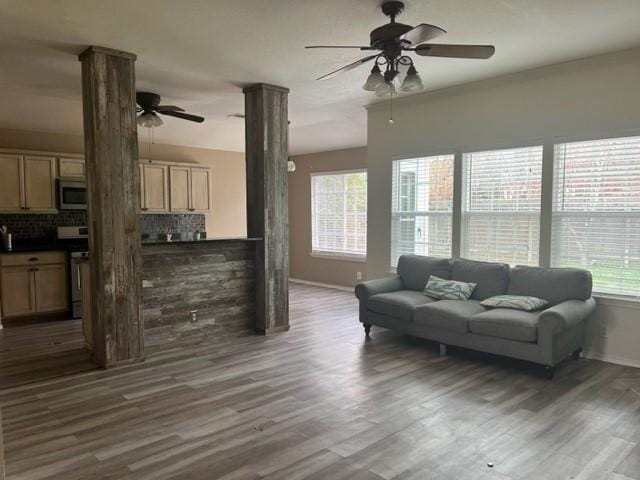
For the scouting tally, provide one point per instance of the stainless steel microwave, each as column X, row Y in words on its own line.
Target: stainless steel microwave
column 72, row 194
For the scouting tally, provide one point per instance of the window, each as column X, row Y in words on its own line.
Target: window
column 501, row 205
column 596, row 212
column 422, row 207
column 339, row 213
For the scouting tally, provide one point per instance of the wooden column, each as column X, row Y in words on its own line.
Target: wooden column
column 267, row 151
column 113, row 182
column 1, row 450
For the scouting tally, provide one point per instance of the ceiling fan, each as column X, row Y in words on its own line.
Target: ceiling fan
column 149, row 107
column 391, row 40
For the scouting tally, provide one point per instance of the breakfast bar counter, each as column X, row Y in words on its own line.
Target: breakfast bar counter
column 199, row 288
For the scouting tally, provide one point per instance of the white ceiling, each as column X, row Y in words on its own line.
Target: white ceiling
column 199, row 53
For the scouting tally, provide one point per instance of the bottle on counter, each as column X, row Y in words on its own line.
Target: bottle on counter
column 6, row 237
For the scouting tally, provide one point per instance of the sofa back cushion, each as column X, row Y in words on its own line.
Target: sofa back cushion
column 552, row 284
column 415, row 270
column 491, row 279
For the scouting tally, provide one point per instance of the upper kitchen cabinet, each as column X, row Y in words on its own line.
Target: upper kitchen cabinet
column 39, row 184
column 154, row 185
column 72, row 167
column 180, row 180
column 27, row 184
column 200, row 192
column 190, row 190
column 11, row 184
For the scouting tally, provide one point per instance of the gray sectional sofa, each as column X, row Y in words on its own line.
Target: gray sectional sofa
column 546, row 337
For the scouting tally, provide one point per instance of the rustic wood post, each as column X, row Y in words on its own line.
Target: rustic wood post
column 1, row 450
column 113, row 183
column 267, row 151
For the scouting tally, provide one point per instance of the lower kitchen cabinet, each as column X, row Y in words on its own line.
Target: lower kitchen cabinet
column 50, row 283
column 33, row 283
column 18, row 293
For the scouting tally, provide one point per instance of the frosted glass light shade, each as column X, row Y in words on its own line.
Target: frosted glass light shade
column 149, row 120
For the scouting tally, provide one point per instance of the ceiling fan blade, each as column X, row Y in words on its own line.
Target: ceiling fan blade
column 168, row 108
column 355, row 64
column 184, row 116
column 422, row 33
column 341, row 46
column 455, row 51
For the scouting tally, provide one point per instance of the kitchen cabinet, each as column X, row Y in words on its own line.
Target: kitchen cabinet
column 190, row 192
column 154, row 185
column 39, row 184
column 27, row 184
column 33, row 283
column 18, row 294
column 11, row 181
column 72, row 168
column 50, row 282
column 180, row 178
column 200, row 192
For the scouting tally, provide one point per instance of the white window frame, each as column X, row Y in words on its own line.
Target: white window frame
column 334, row 254
column 557, row 213
column 422, row 213
column 466, row 214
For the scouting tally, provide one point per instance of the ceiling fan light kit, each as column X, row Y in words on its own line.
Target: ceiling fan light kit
column 391, row 41
column 149, row 120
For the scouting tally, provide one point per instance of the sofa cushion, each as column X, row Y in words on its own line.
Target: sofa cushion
column 506, row 323
column 448, row 289
column 448, row 314
column 415, row 270
column 516, row 302
column 552, row 284
column 398, row 304
column 491, row 278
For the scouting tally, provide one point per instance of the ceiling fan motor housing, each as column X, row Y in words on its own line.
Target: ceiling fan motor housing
column 147, row 99
column 381, row 36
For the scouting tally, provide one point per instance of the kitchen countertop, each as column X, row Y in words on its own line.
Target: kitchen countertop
column 20, row 247
column 204, row 240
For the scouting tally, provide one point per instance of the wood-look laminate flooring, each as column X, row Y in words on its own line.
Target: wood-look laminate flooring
column 322, row 402
column 39, row 351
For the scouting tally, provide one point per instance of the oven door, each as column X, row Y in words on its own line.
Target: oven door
column 72, row 195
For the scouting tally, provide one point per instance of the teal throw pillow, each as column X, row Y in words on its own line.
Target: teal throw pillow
column 442, row 289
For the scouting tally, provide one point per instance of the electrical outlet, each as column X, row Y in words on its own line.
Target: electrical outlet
column 358, row 275
column 194, row 315
column 603, row 330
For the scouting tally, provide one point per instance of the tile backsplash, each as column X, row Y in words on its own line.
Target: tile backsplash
column 152, row 227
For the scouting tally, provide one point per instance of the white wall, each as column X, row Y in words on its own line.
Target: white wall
column 590, row 98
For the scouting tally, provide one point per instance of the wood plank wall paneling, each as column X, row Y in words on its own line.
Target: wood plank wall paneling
column 1, row 450
column 113, row 181
column 214, row 279
column 266, row 127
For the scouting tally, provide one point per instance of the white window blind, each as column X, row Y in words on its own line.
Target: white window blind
column 339, row 213
column 501, row 205
column 596, row 212
column 422, row 207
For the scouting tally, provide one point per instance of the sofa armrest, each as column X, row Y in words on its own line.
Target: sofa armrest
column 365, row 290
column 566, row 315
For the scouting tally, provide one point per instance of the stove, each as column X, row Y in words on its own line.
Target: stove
column 76, row 241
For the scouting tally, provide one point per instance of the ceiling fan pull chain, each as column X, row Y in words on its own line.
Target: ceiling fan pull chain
column 391, row 108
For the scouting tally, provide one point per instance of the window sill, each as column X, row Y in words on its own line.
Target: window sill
column 617, row 301
column 339, row 256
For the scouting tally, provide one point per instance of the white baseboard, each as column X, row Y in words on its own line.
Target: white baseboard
column 612, row 359
column 318, row 284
